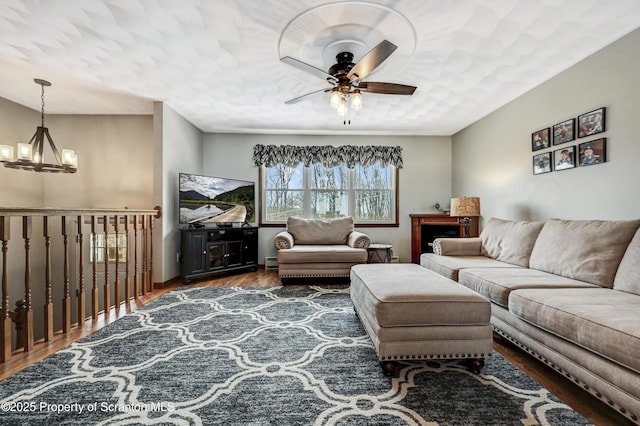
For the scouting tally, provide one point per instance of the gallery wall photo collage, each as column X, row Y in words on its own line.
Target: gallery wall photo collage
column 566, row 156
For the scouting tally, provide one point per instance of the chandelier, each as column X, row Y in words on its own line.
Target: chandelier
column 30, row 156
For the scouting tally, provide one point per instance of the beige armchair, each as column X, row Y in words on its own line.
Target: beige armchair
column 319, row 248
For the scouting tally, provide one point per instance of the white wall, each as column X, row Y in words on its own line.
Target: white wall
column 424, row 180
column 492, row 158
column 181, row 151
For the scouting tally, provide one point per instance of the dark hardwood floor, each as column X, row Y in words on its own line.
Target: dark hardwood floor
column 588, row 406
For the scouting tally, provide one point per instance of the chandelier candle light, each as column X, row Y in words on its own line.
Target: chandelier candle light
column 30, row 156
column 465, row 207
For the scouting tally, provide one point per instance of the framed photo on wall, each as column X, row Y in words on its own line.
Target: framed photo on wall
column 564, row 132
column 591, row 123
column 540, row 139
column 564, row 158
column 593, row 152
column 542, row 163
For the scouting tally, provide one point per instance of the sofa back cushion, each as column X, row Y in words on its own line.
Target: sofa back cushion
column 509, row 241
column 316, row 231
column 585, row 250
column 628, row 275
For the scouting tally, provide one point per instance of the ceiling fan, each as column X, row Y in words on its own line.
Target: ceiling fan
column 346, row 78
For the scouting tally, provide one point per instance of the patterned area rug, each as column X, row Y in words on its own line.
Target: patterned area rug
column 261, row 356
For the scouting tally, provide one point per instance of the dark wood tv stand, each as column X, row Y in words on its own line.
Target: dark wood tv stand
column 427, row 227
column 207, row 252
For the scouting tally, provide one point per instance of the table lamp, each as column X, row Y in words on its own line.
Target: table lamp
column 465, row 207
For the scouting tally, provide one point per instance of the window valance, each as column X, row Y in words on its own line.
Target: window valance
column 329, row 156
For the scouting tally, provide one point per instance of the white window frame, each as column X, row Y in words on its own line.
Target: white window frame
column 351, row 196
column 98, row 248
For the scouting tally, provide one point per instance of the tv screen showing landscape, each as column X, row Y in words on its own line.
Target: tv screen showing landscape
column 208, row 199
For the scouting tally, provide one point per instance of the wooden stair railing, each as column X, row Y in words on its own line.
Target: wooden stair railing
column 56, row 275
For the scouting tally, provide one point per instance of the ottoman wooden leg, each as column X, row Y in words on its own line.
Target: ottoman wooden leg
column 475, row 365
column 390, row 368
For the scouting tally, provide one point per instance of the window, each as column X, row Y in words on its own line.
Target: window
column 367, row 193
column 98, row 249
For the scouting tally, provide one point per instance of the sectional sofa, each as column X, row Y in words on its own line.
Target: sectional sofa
column 566, row 291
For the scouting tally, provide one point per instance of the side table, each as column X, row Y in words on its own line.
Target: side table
column 379, row 253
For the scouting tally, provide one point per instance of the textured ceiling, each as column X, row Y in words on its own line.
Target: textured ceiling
column 216, row 62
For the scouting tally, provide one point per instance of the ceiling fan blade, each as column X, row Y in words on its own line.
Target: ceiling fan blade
column 371, row 60
column 303, row 66
column 386, row 88
column 308, row 95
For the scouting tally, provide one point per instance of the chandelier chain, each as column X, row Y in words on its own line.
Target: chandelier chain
column 42, row 104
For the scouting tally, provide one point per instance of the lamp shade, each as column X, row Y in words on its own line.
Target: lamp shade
column 465, row 206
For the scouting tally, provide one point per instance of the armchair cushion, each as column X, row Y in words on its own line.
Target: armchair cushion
column 316, row 231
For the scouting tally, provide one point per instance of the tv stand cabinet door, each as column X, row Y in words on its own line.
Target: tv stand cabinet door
column 194, row 253
column 250, row 247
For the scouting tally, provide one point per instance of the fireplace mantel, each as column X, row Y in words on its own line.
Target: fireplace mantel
column 426, row 227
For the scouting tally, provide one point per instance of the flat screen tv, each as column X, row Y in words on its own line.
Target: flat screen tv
column 216, row 200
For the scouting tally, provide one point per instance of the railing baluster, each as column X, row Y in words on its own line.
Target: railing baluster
column 66, row 298
column 151, row 277
column 127, row 271
column 48, row 303
column 116, row 226
column 80, row 291
column 5, row 329
column 94, row 289
column 27, row 332
column 106, row 287
column 136, row 275
column 56, row 261
column 144, row 255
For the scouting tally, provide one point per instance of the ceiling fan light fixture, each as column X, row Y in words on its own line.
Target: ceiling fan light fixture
column 347, row 79
column 356, row 100
column 342, row 107
column 334, row 100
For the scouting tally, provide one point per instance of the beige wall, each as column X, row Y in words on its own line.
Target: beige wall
column 492, row 158
column 116, row 155
column 424, row 180
column 17, row 124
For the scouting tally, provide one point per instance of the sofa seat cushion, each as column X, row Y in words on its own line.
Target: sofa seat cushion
column 448, row 266
column 585, row 250
column 497, row 283
column 312, row 253
column 602, row 320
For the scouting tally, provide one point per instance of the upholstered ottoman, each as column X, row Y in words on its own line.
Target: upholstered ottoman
column 412, row 313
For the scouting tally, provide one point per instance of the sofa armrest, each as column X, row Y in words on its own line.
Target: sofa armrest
column 283, row 240
column 457, row 246
column 358, row 240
